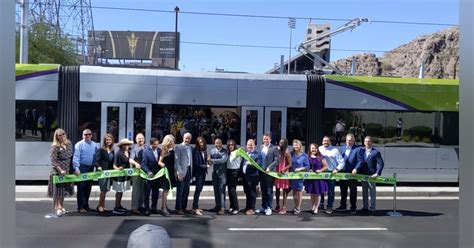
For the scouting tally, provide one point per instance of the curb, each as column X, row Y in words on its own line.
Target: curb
column 40, row 191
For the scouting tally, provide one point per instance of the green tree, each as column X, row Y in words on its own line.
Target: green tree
column 47, row 46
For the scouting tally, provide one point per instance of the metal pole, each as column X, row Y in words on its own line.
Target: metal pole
column 53, row 214
column 289, row 54
column 395, row 213
column 24, row 32
column 176, row 39
column 354, row 66
column 422, row 70
column 282, row 64
column 7, row 123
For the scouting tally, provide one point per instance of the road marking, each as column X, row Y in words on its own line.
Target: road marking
column 308, row 229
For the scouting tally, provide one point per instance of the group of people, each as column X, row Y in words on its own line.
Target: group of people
column 185, row 163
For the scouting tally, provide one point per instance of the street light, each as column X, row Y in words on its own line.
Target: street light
column 291, row 25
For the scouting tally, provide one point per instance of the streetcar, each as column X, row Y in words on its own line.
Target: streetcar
column 414, row 122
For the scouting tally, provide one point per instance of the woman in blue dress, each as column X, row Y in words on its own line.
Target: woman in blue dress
column 300, row 162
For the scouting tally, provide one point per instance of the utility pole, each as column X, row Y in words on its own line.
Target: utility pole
column 176, row 39
column 25, row 10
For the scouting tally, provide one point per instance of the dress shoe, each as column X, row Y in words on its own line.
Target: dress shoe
column 180, row 212
column 221, row 211
column 154, row 211
column 82, row 211
column 147, row 212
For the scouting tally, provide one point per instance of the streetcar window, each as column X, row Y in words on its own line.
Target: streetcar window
column 35, row 120
column 208, row 122
column 296, row 124
column 388, row 128
column 89, row 117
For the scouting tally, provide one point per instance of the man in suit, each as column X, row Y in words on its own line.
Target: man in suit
column 270, row 157
column 182, row 166
column 138, row 183
column 349, row 152
column 149, row 163
column 218, row 161
column 370, row 163
column 250, row 175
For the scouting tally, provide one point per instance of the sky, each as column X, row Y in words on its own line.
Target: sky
column 373, row 36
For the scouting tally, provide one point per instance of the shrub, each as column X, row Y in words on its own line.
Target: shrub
column 374, row 129
column 406, row 138
column 416, row 138
column 421, row 131
column 426, row 140
column 390, row 131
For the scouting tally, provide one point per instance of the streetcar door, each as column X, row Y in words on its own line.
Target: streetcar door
column 113, row 120
column 138, row 120
column 251, row 125
column 275, row 123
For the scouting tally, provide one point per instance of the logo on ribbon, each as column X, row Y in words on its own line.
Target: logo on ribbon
column 366, row 178
column 84, row 177
column 326, row 175
column 346, row 176
column 305, row 175
column 61, row 179
column 130, row 172
column 106, row 173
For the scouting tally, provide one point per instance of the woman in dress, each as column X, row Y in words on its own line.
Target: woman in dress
column 284, row 184
column 61, row 154
column 299, row 162
column 104, row 161
column 316, row 187
column 122, row 184
column 167, row 160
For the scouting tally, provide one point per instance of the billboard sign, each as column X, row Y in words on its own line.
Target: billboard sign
column 155, row 46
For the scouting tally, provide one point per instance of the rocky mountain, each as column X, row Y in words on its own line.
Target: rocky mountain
column 438, row 51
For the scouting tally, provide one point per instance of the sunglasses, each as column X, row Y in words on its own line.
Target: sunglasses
column 87, row 134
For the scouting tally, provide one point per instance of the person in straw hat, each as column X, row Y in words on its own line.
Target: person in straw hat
column 122, row 184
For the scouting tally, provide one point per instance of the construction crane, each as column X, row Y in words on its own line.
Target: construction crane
column 304, row 46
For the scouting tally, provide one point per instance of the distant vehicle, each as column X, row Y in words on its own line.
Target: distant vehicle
column 125, row 101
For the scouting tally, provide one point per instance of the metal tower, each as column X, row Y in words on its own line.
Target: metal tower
column 72, row 18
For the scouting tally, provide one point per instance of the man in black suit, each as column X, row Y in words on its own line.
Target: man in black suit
column 150, row 158
column 270, row 157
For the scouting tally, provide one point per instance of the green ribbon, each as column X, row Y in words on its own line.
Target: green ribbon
column 313, row 175
column 132, row 172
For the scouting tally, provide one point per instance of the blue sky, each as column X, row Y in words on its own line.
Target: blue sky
column 274, row 32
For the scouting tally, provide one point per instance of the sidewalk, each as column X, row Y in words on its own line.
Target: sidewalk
column 382, row 191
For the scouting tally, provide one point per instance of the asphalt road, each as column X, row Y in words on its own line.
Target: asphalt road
column 425, row 223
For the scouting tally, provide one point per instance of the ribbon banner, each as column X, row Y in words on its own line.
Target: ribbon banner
column 132, row 172
column 313, row 175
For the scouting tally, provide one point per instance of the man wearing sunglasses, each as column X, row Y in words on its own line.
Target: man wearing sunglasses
column 83, row 162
